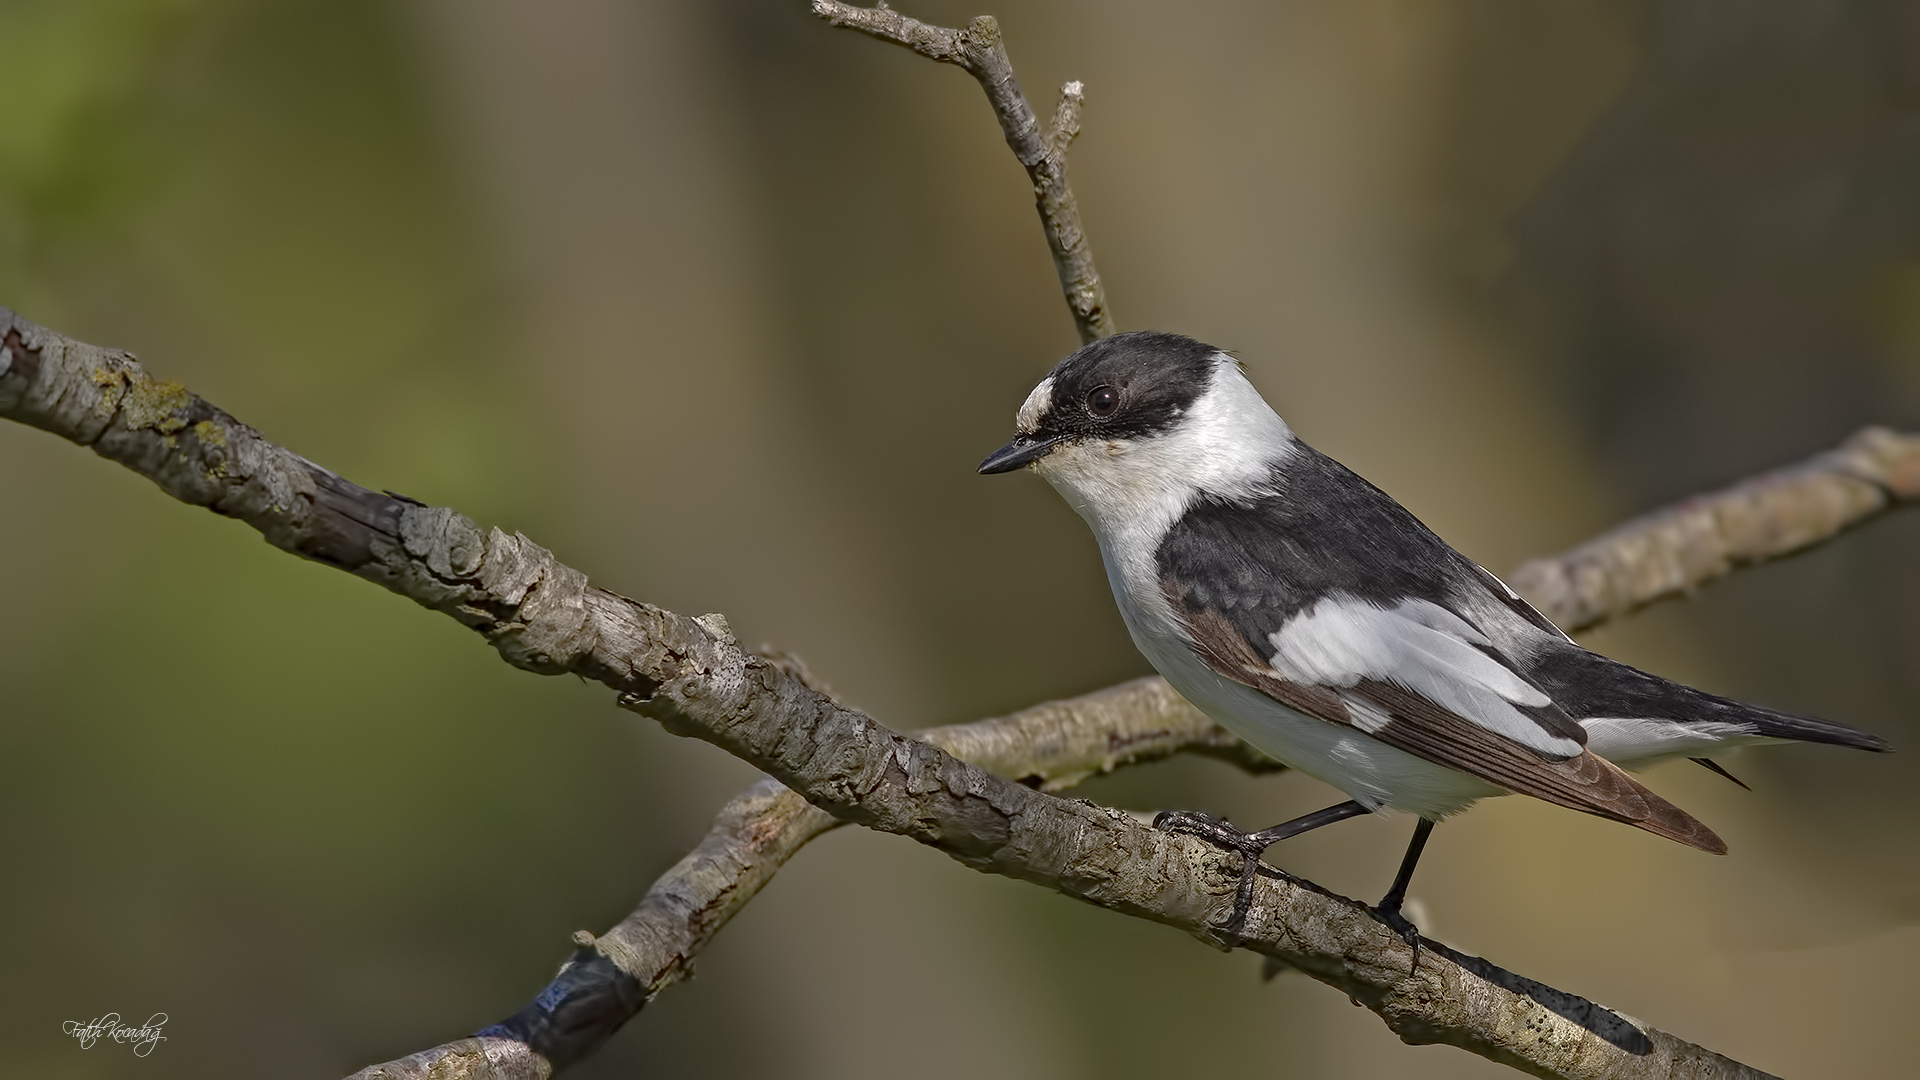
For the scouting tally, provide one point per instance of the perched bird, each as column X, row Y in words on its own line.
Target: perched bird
column 1315, row 617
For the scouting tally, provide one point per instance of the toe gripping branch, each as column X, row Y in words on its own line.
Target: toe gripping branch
column 1251, row 846
column 1221, row 834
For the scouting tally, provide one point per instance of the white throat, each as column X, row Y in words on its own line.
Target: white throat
column 1226, row 445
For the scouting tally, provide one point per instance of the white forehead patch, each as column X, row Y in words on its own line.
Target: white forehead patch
column 1027, row 420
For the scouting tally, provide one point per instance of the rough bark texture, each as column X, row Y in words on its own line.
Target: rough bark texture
column 978, row 51
column 691, row 676
column 1675, row 550
column 608, row 979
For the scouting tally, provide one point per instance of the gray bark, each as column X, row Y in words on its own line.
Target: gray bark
column 688, row 673
column 609, row 978
column 691, row 676
column 1679, row 548
column 979, row 52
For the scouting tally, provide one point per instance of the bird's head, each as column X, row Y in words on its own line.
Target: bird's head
column 1131, row 422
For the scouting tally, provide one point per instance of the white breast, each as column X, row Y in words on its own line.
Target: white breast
column 1131, row 492
column 1225, row 445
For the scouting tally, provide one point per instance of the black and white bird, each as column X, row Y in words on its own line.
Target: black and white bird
column 1315, row 617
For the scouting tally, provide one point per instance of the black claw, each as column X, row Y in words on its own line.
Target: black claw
column 1401, row 925
column 1251, row 846
column 1216, row 831
column 1389, row 910
column 1242, row 899
column 1223, row 835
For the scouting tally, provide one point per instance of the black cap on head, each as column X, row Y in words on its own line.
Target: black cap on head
column 1123, row 387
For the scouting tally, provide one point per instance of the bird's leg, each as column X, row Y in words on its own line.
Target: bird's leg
column 1250, row 845
column 1389, row 907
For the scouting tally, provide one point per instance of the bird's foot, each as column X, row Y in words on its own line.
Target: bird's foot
column 1215, row 831
column 1221, row 834
column 1389, row 913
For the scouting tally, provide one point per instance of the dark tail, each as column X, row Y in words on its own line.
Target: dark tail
column 1588, row 684
column 1779, row 725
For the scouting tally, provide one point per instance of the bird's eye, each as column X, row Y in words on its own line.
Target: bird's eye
column 1102, row 401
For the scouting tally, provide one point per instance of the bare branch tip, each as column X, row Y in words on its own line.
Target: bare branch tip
column 1066, row 118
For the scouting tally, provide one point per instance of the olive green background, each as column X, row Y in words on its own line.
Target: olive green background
column 723, row 306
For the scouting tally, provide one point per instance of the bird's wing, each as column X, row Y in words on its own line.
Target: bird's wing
column 1636, row 717
column 1503, row 593
column 1332, row 598
column 1420, row 678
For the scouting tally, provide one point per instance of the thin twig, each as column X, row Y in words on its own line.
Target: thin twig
column 1675, row 550
column 978, row 50
column 691, row 676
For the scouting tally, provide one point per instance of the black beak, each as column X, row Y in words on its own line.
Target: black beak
column 1023, row 450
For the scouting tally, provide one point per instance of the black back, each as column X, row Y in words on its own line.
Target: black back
column 1324, row 529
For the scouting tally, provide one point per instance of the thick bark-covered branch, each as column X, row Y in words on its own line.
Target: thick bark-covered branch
column 691, row 676
column 978, row 50
column 1678, row 548
column 609, row 979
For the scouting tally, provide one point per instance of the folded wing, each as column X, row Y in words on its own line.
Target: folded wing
column 1418, row 677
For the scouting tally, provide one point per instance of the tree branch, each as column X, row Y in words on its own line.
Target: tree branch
column 978, row 51
column 1667, row 553
column 692, row 677
column 1678, row 548
column 609, row 979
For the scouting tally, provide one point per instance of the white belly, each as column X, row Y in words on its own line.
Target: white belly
column 1367, row 769
column 1371, row 772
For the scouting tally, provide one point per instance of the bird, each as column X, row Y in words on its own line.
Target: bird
column 1309, row 613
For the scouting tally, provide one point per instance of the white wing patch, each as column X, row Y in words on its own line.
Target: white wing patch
column 1367, row 716
column 1420, row 646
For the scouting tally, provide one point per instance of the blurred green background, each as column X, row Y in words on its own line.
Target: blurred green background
column 723, row 305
